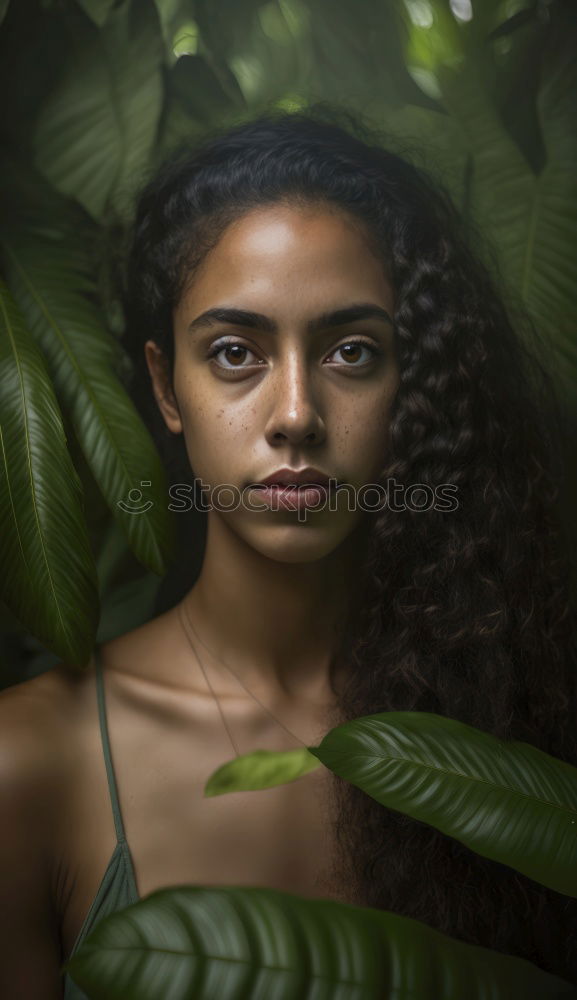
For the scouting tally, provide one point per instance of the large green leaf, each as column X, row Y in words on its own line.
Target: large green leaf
column 96, row 129
column 508, row 801
column 51, row 281
column 261, row 944
column 47, row 571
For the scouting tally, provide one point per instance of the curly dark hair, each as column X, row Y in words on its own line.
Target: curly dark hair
column 466, row 614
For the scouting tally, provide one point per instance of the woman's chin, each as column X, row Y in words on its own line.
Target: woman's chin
column 299, row 541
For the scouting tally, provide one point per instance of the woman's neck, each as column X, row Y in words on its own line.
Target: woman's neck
column 276, row 624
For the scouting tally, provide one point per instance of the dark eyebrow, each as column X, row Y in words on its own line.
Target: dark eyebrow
column 257, row 321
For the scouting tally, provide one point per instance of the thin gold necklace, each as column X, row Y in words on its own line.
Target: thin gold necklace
column 186, row 624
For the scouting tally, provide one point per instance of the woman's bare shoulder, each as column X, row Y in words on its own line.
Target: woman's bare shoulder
column 37, row 718
column 40, row 716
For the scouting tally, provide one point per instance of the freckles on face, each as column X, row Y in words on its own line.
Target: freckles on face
column 288, row 385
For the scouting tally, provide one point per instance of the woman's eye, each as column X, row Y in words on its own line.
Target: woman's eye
column 233, row 353
column 352, row 352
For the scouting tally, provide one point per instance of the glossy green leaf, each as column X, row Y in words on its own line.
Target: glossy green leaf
column 507, row 801
column 260, row 769
column 97, row 127
column 52, row 283
column 236, row 943
column 47, row 570
column 97, row 10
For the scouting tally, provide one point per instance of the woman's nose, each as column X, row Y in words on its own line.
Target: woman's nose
column 295, row 413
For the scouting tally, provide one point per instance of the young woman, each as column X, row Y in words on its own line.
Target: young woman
column 305, row 307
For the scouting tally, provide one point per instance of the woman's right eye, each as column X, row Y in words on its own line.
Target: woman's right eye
column 236, row 354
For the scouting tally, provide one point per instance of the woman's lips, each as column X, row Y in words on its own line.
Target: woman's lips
column 292, row 497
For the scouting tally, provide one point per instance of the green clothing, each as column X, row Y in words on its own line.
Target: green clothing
column 118, row 887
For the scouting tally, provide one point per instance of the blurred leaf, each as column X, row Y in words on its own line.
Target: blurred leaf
column 194, row 83
column 507, row 801
column 97, row 127
column 173, row 16
column 3, row 9
column 238, row 943
column 260, row 769
column 127, row 606
column 356, row 55
column 516, row 65
column 532, row 219
column 195, row 103
column 50, row 278
column 97, row 10
column 48, row 575
column 514, row 23
column 33, row 47
column 428, row 138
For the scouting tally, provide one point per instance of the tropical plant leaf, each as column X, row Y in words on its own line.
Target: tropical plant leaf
column 194, row 101
column 48, row 573
column 96, row 129
column 432, row 140
column 175, row 16
column 3, row 9
column 255, row 944
column 260, row 769
column 51, row 281
column 531, row 218
column 507, row 801
column 97, row 10
column 357, row 55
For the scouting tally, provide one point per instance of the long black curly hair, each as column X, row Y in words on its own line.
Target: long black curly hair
column 466, row 614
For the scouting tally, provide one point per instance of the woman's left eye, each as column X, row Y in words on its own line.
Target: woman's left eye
column 353, row 348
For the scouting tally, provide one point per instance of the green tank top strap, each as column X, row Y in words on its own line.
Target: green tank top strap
column 119, row 826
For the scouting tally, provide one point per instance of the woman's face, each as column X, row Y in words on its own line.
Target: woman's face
column 264, row 379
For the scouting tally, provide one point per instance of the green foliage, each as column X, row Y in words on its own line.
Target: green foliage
column 526, row 195
column 260, row 769
column 235, row 943
column 44, row 541
column 94, row 136
column 508, row 801
column 97, row 10
column 55, row 290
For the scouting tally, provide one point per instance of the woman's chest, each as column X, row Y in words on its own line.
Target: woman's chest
column 281, row 837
